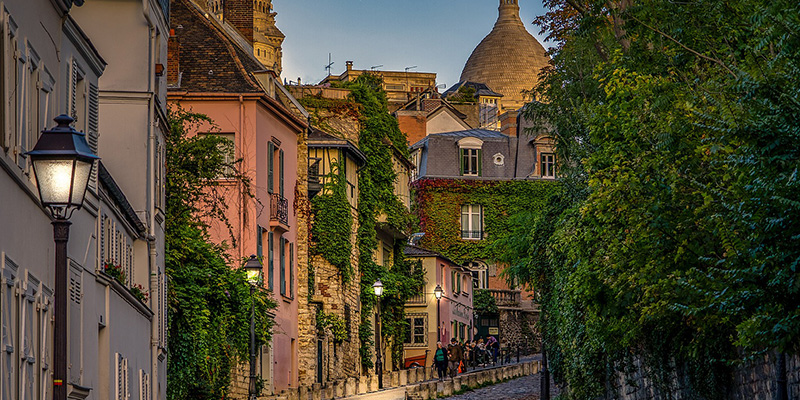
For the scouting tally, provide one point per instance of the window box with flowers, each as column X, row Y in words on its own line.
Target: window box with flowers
column 118, row 273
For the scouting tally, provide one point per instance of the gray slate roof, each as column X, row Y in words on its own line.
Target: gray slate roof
column 476, row 133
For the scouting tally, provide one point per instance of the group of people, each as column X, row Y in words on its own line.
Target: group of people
column 457, row 356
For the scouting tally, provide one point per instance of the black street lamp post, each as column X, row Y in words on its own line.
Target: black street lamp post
column 253, row 269
column 378, row 287
column 62, row 165
column 438, row 292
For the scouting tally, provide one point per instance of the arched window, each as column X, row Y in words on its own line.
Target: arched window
column 480, row 274
column 469, row 149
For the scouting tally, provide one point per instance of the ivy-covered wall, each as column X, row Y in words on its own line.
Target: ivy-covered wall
column 438, row 206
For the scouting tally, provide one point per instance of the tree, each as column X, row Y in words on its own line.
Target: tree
column 209, row 302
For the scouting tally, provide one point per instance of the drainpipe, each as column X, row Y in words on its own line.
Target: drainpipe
column 239, row 184
column 151, row 170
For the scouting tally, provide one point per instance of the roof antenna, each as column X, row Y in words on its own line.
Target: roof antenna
column 374, row 67
column 330, row 63
column 415, row 238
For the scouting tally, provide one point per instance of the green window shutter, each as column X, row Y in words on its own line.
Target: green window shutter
column 283, row 265
column 280, row 165
column 271, row 260
column 270, row 165
column 259, row 242
column 291, row 269
column 480, row 161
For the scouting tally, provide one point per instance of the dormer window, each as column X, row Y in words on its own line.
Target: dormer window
column 470, row 156
column 548, row 165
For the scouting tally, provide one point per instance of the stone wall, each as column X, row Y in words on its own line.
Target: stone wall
column 417, row 383
column 517, row 329
column 752, row 380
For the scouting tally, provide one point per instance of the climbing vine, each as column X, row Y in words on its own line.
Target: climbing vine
column 332, row 226
column 335, row 323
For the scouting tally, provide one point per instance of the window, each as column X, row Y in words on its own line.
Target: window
column 270, row 166
column 92, row 136
column 479, row 274
column 228, row 149
column 270, row 259
column 259, row 242
column 291, row 270
column 415, row 159
column 387, row 256
column 453, row 284
column 122, row 392
column 548, row 165
column 471, row 221
column 282, row 252
column 281, row 172
column 9, row 76
column 144, row 385
column 470, row 162
column 417, row 326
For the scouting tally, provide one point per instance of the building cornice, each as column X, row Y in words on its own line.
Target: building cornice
column 285, row 115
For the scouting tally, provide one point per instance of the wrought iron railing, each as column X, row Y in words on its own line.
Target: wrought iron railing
column 472, row 234
column 279, row 209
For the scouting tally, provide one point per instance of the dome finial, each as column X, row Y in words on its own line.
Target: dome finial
column 509, row 12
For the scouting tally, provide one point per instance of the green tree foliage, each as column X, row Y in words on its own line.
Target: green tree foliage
column 675, row 237
column 484, row 303
column 209, row 303
column 379, row 138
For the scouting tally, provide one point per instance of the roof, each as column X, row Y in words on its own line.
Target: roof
column 318, row 138
column 418, row 252
column 213, row 57
column 119, row 199
column 476, row 133
column 508, row 59
column 481, row 89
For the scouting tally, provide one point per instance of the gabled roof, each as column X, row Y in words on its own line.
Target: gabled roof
column 476, row 133
column 419, row 252
column 213, row 56
column 481, row 89
column 318, row 138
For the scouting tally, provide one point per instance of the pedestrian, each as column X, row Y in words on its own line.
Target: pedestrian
column 440, row 360
column 456, row 355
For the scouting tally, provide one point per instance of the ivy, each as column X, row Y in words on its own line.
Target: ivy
column 332, row 226
column 209, row 303
column 333, row 322
column 484, row 303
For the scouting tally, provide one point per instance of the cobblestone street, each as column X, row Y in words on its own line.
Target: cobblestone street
column 525, row 388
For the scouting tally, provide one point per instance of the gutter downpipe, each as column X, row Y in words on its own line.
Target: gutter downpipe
column 151, row 240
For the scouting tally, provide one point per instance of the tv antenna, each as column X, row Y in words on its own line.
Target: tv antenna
column 330, row 63
column 374, row 67
column 408, row 68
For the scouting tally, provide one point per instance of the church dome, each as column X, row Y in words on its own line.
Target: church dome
column 508, row 59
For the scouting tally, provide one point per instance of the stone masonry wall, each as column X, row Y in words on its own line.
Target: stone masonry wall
column 752, row 380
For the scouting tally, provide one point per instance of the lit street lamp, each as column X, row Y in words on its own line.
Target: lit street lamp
column 438, row 292
column 62, row 164
column 378, row 287
column 253, row 268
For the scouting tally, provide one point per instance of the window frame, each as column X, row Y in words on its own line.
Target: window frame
column 410, row 339
column 470, row 213
column 547, row 168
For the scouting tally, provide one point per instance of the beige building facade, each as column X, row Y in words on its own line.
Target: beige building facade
column 53, row 62
column 400, row 86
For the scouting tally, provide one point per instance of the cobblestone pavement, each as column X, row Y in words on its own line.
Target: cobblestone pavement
column 525, row 388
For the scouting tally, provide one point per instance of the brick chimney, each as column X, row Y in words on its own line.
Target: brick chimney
column 413, row 124
column 173, row 59
column 239, row 13
column 508, row 123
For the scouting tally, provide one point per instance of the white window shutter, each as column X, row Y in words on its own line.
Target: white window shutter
column 93, row 134
column 8, row 350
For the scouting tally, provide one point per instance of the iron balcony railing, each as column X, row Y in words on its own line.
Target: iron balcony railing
column 472, row 234
column 279, row 209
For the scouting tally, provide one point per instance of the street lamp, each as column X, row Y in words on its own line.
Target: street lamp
column 378, row 288
column 62, row 164
column 438, row 292
column 253, row 270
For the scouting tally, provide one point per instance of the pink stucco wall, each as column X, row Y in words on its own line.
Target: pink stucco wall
column 255, row 122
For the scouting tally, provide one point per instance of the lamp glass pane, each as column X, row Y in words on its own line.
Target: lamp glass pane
column 80, row 180
column 253, row 276
column 54, row 178
column 378, row 290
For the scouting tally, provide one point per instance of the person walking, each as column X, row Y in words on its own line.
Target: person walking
column 440, row 360
column 456, row 355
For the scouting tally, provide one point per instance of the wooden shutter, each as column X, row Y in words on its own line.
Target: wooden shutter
column 3, row 85
column 28, row 335
column 291, row 270
column 45, row 315
column 282, row 252
column 144, row 385
column 259, row 242
column 480, row 162
column 271, row 259
column 9, row 306
column 74, row 317
column 280, row 162
column 270, row 165
column 93, row 133
column 73, row 90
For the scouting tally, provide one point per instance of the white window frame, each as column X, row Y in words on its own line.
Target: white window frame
column 410, row 317
column 471, row 211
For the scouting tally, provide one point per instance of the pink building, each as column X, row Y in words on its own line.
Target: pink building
column 213, row 71
column 431, row 320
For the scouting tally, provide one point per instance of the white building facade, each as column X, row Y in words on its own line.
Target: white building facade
column 51, row 63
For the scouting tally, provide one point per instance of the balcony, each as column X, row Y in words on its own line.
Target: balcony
column 506, row 298
column 279, row 211
column 472, row 235
column 417, row 300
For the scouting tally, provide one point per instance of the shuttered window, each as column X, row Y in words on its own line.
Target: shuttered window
column 28, row 374
column 291, row 270
column 144, row 385
column 282, row 251
column 271, row 259
column 282, row 168
column 74, row 316
column 93, row 134
column 10, row 327
column 122, row 392
column 270, row 165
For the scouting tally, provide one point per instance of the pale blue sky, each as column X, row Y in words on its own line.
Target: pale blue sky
column 435, row 35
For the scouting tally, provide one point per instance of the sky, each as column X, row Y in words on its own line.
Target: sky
column 433, row 35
